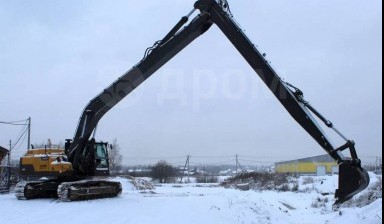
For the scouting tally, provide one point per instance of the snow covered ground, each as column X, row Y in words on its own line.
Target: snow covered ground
column 194, row 203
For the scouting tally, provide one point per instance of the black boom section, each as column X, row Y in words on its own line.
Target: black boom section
column 112, row 95
column 257, row 61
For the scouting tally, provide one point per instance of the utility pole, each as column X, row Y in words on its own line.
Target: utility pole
column 186, row 166
column 29, row 132
column 238, row 165
column 9, row 153
column 9, row 164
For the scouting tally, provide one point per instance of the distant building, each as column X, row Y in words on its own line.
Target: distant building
column 317, row 166
column 3, row 153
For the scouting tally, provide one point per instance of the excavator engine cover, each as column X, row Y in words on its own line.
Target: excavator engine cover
column 352, row 180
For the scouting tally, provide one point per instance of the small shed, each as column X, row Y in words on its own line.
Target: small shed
column 316, row 166
column 3, row 153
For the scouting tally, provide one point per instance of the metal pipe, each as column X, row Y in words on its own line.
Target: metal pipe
column 340, row 134
column 190, row 14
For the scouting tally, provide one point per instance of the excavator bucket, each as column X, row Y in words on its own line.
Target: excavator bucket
column 352, row 180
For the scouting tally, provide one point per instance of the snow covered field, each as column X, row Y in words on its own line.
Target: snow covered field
column 196, row 204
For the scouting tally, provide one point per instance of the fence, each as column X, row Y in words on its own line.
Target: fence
column 5, row 174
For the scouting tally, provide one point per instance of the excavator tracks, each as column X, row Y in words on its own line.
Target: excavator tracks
column 68, row 191
column 88, row 190
column 36, row 189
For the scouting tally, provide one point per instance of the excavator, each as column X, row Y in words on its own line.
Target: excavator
column 83, row 152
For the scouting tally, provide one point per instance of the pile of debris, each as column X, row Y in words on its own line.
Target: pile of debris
column 130, row 183
column 262, row 181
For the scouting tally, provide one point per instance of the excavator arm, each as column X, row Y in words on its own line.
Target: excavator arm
column 154, row 59
column 353, row 178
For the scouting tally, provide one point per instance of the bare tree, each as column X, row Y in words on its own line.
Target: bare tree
column 163, row 172
column 115, row 158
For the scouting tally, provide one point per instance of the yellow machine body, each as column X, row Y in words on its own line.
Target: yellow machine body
column 45, row 162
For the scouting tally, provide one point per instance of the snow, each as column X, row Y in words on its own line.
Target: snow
column 197, row 204
column 60, row 163
column 52, row 155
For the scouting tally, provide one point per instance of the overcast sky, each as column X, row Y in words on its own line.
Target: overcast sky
column 55, row 56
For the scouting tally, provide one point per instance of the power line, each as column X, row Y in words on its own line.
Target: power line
column 199, row 158
column 254, row 161
column 22, row 131
column 262, row 157
column 14, row 122
column 155, row 158
column 177, row 164
column 6, row 123
column 23, row 134
column 211, row 157
column 214, row 164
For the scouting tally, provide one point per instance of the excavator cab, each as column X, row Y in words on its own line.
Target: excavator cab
column 102, row 160
column 93, row 159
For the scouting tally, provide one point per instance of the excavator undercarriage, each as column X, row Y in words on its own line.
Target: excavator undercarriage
column 68, row 191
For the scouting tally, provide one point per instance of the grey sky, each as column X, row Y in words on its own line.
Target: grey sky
column 55, row 56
